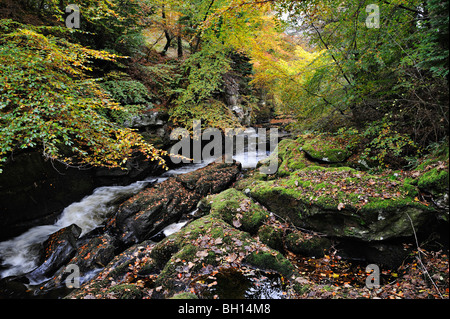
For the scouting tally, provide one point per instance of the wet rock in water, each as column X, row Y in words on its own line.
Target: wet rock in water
column 58, row 249
column 149, row 211
column 184, row 261
column 91, row 256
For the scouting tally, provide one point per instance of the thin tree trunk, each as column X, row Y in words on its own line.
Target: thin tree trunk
column 179, row 47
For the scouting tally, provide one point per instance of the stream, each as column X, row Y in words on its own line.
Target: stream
column 19, row 255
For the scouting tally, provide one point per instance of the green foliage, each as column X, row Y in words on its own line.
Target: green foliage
column 386, row 146
column 400, row 68
column 115, row 24
column 132, row 95
column 432, row 51
column 204, row 70
column 47, row 101
column 127, row 92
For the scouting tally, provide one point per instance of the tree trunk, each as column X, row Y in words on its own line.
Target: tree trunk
column 179, row 47
column 167, row 46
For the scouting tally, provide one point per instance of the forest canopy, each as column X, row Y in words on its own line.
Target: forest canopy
column 67, row 92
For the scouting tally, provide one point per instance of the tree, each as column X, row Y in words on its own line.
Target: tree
column 48, row 102
column 216, row 30
column 398, row 70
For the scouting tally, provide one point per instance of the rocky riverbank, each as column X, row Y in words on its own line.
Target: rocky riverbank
column 306, row 232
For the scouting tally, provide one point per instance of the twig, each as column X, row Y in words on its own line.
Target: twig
column 424, row 269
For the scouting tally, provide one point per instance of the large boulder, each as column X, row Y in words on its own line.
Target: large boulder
column 345, row 203
column 235, row 208
column 326, row 148
column 308, row 150
column 149, row 211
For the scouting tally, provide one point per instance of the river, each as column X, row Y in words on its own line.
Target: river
column 19, row 255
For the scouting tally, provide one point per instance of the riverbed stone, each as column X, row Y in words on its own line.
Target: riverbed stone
column 201, row 249
column 58, row 249
column 149, row 211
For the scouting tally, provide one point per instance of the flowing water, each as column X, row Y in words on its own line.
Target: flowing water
column 19, row 255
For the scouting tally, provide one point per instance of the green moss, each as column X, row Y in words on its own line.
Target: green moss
column 298, row 243
column 271, row 236
column 435, row 181
column 184, row 295
column 125, row 291
column 342, row 202
column 271, row 261
column 326, row 148
column 301, row 289
column 235, row 208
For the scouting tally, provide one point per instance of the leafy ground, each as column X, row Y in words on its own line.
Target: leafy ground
column 332, row 277
column 423, row 275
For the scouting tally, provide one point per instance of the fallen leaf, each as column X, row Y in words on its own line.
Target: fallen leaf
column 231, row 258
column 201, row 253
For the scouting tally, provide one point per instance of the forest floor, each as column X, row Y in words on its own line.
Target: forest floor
column 330, row 277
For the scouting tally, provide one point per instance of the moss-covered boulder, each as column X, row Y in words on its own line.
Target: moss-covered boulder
column 304, row 151
column 343, row 202
column 125, row 291
column 307, row 245
column 290, row 157
column 326, row 148
column 210, row 243
column 431, row 176
column 178, row 265
column 271, row 261
column 272, row 236
column 237, row 209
